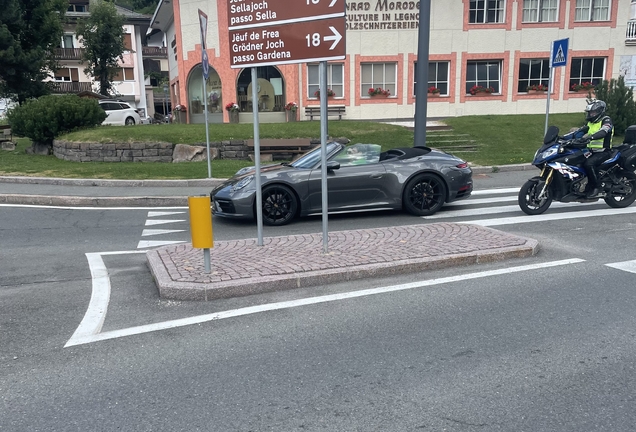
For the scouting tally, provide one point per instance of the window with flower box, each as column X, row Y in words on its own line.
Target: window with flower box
column 486, row 11
column 592, row 10
column 335, row 79
column 486, row 74
column 437, row 76
column 533, row 72
column 374, row 75
column 540, row 11
column 584, row 70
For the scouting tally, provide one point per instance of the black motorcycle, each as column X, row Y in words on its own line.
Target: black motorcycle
column 563, row 177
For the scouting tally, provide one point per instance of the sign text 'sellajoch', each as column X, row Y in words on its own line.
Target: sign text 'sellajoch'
column 271, row 32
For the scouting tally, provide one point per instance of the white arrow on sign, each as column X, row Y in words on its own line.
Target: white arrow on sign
column 333, row 2
column 336, row 37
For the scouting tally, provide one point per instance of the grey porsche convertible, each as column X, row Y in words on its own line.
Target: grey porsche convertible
column 359, row 177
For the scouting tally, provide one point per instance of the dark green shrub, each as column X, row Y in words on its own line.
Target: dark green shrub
column 45, row 118
column 620, row 103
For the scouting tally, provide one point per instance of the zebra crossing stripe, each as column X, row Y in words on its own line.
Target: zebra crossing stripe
column 551, row 217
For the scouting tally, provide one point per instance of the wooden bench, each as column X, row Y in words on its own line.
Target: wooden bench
column 332, row 110
column 271, row 146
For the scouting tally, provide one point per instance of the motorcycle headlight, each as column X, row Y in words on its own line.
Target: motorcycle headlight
column 242, row 183
column 549, row 152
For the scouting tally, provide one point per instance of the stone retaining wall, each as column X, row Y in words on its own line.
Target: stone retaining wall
column 138, row 152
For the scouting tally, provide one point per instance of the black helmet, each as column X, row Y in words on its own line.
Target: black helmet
column 595, row 110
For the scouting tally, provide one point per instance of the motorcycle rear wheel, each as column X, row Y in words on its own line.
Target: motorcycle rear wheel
column 529, row 201
column 621, row 199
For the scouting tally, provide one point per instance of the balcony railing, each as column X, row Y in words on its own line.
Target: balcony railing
column 71, row 87
column 69, row 53
column 154, row 52
column 630, row 36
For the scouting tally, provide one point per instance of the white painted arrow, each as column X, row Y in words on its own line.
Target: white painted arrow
column 336, row 37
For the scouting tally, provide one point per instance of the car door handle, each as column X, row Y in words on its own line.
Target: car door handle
column 377, row 175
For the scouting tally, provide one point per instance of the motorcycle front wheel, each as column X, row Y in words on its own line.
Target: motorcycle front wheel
column 529, row 200
column 623, row 194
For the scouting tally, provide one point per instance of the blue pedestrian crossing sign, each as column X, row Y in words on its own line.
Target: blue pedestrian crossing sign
column 559, row 55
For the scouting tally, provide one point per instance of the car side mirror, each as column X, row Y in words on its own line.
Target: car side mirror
column 333, row 165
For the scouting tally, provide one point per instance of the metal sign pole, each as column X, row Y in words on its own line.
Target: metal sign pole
column 547, row 104
column 207, row 126
column 257, row 160
column 323, row 155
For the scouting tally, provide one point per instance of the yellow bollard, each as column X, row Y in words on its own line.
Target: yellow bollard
column 201, row 226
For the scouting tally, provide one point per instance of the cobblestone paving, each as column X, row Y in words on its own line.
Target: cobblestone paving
column 296, row 256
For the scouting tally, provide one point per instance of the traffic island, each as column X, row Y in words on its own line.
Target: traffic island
column 241, row 267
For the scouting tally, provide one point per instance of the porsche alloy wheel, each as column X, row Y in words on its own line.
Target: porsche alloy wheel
column 279, row 205
column 424, row 195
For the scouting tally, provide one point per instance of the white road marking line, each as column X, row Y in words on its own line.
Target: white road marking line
column 152, row 232
column 628, row 266
column 156, row 243
column 158, row 213
column 100, row 296
column 150, row 222
column 494, row 210
column 495, row 191
column 89, row 338
column 471, row 201
column 551, row 216
column 87, row 208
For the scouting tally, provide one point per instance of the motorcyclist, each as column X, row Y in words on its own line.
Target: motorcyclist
column 599, row 140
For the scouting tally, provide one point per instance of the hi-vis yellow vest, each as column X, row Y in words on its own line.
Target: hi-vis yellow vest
column 595, row 127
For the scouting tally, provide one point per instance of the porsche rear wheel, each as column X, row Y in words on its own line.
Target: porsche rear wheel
column 279, row 205
column 424, row 195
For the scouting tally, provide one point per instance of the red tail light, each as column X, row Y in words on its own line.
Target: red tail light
column 462, row 165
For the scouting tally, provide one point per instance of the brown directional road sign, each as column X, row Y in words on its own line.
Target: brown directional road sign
column 299, row 42
column 253, row 13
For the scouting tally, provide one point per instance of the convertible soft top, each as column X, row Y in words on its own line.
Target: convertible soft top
column 404, row 153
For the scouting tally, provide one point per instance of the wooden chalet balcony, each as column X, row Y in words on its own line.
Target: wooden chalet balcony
column 154, row 52
column 71, row 87
column 630, row 36
column 69, row 53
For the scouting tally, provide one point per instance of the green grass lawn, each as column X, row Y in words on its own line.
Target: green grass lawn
column 498, row 140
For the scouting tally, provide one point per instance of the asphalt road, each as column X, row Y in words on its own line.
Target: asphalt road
column 545, row 347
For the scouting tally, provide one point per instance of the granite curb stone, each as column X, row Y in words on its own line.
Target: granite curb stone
column 241, row 267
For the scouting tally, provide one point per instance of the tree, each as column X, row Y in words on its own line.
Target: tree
column 102, row 35
column 620, row 103
column 30, row 30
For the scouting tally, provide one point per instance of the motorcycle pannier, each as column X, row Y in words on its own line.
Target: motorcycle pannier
column 627, row 159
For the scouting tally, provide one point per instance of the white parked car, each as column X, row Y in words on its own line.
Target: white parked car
column 119, row 113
